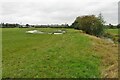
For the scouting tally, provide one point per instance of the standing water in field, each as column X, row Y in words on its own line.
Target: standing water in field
column 59, row 32
column 41, row 32
column 34, row 32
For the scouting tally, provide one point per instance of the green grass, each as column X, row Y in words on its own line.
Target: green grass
column 0, row 53
column 112, row 31
column 113, row 34
column 48, row 56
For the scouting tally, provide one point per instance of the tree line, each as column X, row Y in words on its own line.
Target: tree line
column 9, row 25
column 110, row 26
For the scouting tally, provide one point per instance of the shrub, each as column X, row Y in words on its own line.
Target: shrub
column 90, row 24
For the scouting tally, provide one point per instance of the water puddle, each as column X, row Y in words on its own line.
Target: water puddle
column 57, row 32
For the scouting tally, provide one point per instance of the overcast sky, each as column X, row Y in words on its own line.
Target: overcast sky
column 55, row 11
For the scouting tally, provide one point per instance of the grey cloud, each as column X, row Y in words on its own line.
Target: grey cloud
column 56, row 11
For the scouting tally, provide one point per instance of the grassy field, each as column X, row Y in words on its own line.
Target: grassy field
column 112, row 31
column 71, row 55
column 0, row 53
column 113, row 34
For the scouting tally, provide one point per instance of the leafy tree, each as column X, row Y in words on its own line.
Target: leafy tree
column 27, row 25
column 118, row 26
column 111, row 26
column 100, row 17
column 90, row 24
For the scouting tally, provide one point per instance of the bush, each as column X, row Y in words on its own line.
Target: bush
column 90, row 24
